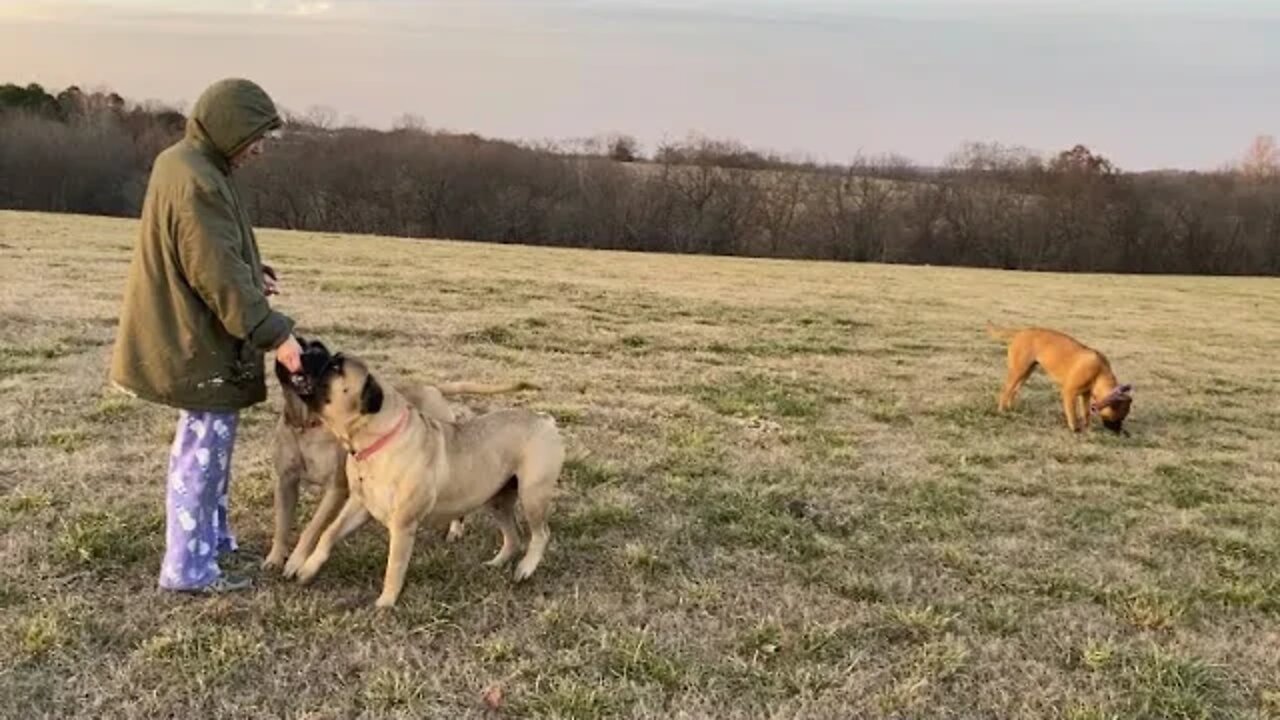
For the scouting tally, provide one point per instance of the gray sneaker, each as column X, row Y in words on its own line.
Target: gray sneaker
column 240, row 559
column 224, row 584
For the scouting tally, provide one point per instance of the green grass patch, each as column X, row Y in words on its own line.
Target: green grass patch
column 774, row 522
column 751, row 395
column 594, row 519
column 1166, row 685
column 198, row 654
column 569, row 697
column 634, row 657
column 101, row 540
column 1185, row 486
column 113, row 409
column 587, row 473
column 395, row 690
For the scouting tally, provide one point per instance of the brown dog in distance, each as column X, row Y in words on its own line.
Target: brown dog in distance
column 1083, row 376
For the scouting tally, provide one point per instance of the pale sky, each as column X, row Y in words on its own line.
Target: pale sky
column 1148, row 83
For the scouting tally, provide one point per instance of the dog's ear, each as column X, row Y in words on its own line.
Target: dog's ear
column 370, row 396
column 1122, row 393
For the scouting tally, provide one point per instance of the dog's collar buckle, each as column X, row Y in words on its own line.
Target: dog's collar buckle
column 381, row 442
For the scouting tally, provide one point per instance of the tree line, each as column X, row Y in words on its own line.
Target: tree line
column 989, row 206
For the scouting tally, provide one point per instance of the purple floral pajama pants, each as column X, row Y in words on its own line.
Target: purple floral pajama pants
column 196, row 529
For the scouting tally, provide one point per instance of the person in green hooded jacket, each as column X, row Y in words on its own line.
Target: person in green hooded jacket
column 196, row 324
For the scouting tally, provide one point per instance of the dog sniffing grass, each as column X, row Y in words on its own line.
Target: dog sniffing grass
column 795, row 497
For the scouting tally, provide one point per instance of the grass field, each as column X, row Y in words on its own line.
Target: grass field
column 788, row 495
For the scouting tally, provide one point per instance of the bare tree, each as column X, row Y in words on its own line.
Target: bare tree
column 781, row 203
column 1261, row 160
column 623, row 148
column 410, row 121
column 321, row 117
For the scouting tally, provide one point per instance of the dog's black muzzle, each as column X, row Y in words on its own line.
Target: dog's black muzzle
column 317, row 362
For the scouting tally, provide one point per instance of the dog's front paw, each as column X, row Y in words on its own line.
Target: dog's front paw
column 524, row 570
column 295, row 563
column 274, row 560
column 385, row 601
column 308, row 570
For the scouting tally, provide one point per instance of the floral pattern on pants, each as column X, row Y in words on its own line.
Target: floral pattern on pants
column 196, row 526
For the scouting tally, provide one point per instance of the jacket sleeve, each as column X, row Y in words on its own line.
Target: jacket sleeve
column 208, row 249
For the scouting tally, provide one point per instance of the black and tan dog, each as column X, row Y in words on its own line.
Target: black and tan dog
column 1083, row 376
column 406, row 468
column 305, row 452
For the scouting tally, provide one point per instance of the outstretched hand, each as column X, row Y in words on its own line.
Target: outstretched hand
column 289, row 354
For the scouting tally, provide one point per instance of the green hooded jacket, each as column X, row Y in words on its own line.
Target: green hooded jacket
column 195, row 323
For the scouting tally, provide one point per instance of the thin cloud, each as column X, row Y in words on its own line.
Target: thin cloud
column 294, row 7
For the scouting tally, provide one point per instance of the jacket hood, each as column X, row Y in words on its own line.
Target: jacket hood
column 231, row 114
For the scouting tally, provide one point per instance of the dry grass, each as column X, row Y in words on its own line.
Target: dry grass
column 788, row 495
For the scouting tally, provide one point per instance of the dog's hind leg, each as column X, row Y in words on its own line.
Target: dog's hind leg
column 536, row 486
column 535, row 513
column 1019, row 370
column 503, row 508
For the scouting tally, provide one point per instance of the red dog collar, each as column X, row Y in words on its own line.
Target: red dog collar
column 381, row 442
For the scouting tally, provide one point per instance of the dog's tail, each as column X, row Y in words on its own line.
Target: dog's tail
column 1002, row 334
column 474, row 388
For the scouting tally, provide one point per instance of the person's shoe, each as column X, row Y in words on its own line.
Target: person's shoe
column 224, row 584
column 242, row 556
